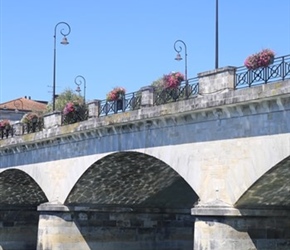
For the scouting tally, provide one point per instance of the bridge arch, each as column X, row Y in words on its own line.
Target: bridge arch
column 270, row 190
column 132, row 179
column 19, row 197
column 17, row 188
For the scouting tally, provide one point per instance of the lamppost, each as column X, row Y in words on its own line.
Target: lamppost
column 64, row 42
column 179, row 58
column 216, row 34
column 78, row 81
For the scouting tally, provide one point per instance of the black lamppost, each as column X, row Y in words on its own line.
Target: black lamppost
column 78, row 81
column 216, row 34
column 178, row 56
column 64, row 42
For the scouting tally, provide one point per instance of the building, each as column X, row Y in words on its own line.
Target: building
column 15, row 109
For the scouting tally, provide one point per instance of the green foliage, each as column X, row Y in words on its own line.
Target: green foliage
column 66, row 96
column 158, row 84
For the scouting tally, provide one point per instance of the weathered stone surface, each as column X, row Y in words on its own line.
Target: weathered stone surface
column 154, row 231
column 223, row 147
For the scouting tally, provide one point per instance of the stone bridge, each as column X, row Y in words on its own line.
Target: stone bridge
column 211, row 172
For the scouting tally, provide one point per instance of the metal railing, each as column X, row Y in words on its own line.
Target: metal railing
column 21, row 129
column 279, row 70
column 186, row 90
column 27, row 128
column 6, row 133
column 78, row 115
column 128, row 102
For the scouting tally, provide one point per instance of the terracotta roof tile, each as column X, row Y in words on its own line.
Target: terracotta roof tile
column 24, row 104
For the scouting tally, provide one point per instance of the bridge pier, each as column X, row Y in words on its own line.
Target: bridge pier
column 18, row 227
column 219, row 228
column 111, row 228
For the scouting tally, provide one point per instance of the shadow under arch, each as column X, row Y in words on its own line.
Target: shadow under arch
column 19, row 197
column 265, row 210
column 132, row 179
column 271, row 190
column 18, row 189
column 133, row 201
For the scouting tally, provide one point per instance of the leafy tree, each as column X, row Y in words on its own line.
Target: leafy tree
column 66, row 96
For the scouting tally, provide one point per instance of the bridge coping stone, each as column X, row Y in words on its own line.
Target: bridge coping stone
column 58, row 207
column 213, row 81
column 245, row 212
column 228, row 103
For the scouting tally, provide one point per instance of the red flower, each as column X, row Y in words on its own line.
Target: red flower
column 115, row 94
column 173, row 80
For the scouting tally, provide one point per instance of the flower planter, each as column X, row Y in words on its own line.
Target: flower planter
column 119, row 104
column 263, row 58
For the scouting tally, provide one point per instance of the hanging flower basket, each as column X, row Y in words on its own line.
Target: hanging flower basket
column 173, row 80
column 74, row 112
column 5, row 125
column 115, row 94
column 261, row 59
column 30, row 118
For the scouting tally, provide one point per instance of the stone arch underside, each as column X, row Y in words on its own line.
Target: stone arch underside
column 18, row 189
column 132, row 179
column 271, row 190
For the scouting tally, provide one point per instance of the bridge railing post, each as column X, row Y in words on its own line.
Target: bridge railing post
column 218, row 80
column 147, row 96
column 52, row 119
column 94, row 108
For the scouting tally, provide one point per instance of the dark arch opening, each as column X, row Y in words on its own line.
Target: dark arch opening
column 132, row 179
column 19, row 197
column 271, row 190
column 18, row 189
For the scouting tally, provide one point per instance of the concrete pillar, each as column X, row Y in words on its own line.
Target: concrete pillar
column 216, row 81
column 18, row 227
column 52, row 120
column 111, row 228
column 147, row 97
column 232, row 229
column 94, row 108
column 57, row 229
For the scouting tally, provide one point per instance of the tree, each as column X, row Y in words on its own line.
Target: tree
column 66, row 96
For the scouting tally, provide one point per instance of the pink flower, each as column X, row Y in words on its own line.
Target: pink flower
column 261, row 59
column 173, row 80
column 115, row 94
column 4, row 124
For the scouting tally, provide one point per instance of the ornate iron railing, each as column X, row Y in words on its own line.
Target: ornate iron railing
column 279, row 70
column 5, row 133
column 21, row 129
column 131, row 101
column 28, row 128
column 78, row 115
column 186, row 90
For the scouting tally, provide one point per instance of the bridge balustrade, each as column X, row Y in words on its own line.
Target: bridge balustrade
column 279, row 70
column 151, row 96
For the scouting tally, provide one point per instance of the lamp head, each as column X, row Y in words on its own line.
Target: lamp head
column 78, row 89
column 178, row 57
column 64, row 41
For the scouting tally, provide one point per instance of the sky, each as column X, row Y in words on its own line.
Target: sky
column 128, row 43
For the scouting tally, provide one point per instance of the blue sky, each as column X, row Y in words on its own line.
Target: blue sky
column 128, row 43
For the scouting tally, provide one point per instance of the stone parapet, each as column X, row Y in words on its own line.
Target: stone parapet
column 52, row 120
column 94, row 108
column 214, row 81
column 147, row 97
